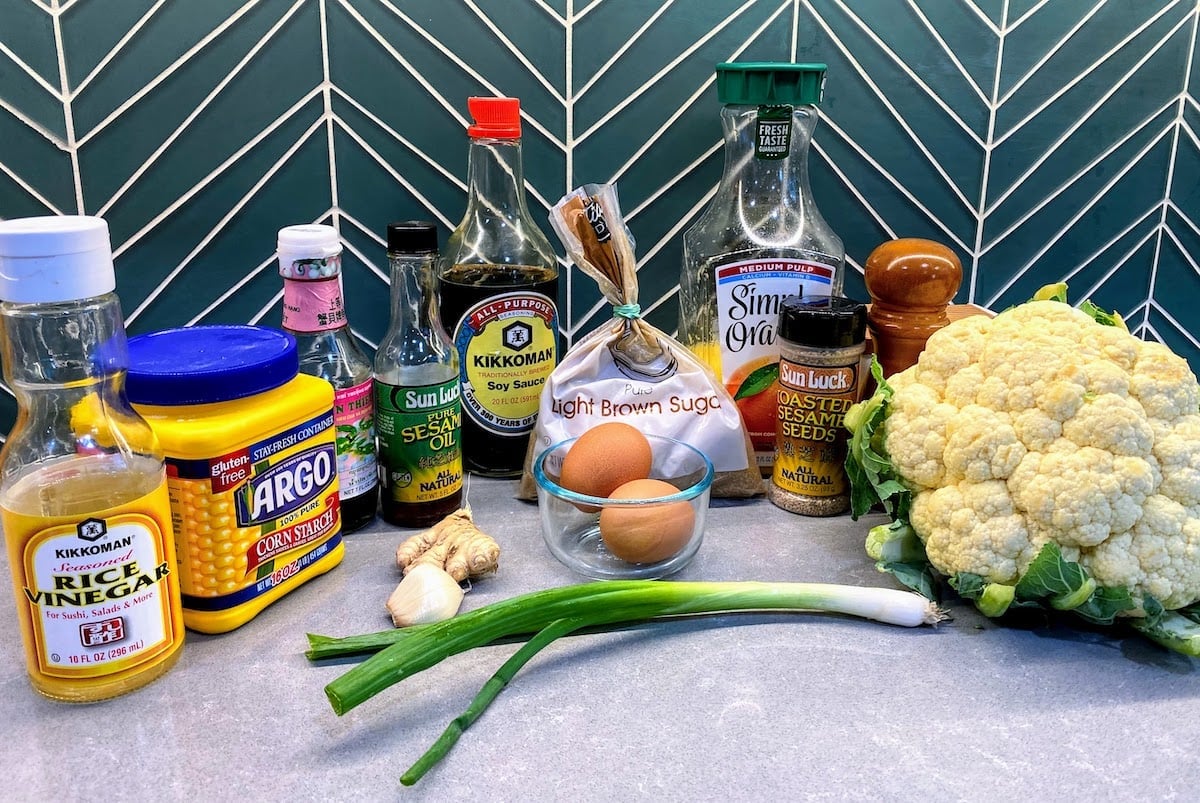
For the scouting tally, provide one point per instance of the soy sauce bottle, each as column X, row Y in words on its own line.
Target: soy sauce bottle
column 498, row 281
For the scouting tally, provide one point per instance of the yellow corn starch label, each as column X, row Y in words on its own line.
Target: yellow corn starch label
column 247, row 521
column 811, row 445
column 508, row 346
column 420, row 448
column 97, row 589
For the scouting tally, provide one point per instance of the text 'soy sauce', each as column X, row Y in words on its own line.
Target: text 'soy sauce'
column 251, row 465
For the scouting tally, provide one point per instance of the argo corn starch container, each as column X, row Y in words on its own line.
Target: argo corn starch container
column 251, row 465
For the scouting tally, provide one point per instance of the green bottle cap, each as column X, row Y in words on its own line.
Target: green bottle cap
column 759, row 83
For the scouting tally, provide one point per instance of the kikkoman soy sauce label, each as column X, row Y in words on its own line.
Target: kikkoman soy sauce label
column 420, row 447
column 97, row 590
column 508, row 346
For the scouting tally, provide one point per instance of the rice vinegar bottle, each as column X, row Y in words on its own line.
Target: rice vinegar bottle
column 761, row 239
column 83, row 492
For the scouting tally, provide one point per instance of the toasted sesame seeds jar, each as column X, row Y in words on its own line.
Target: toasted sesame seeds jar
column 822, row 339
column 251, row 465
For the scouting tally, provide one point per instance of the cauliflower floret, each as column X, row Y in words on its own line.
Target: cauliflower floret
column 1108, row 345
column 1163, row 383
column 996, row 394
column 915, row 435
column 1113, row 424
column 1039, row 536
column 950, row 349
column 1107, row 377
column 1177, row 448
column 1019, row 368
column 981, row 444
column 1084, row 493
column 971, row 527
column 1036, row 430
column 1159, row 556
column 1063, row 394
column 962, row 387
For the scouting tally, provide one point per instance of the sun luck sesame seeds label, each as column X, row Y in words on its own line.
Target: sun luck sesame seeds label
column 811, row 447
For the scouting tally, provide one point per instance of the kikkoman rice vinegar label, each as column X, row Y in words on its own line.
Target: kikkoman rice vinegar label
column 811, row 447
column 96, row 589
column 420, row 445
column 508, row 346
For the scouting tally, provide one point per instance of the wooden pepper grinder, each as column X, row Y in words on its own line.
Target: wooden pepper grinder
column 910, row 281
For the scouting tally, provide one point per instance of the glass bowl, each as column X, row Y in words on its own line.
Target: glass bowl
column 570, row 521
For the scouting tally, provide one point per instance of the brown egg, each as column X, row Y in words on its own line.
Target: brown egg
column 646, row 534
column 604, row 458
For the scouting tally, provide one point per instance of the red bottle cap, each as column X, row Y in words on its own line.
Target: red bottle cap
column 495, row 118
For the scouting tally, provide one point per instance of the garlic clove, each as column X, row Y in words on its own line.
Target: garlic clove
column 426, row 594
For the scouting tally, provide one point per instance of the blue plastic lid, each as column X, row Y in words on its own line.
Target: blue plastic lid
column 207, row 364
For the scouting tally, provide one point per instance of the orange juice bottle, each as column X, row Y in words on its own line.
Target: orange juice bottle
column 760, row 240
column 83, row 495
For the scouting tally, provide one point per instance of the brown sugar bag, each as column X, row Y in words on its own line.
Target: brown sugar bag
column 628, row 370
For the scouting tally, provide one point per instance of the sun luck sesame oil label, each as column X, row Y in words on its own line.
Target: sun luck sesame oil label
column 420, row 446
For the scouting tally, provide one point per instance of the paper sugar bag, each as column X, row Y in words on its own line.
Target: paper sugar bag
column 628, row 370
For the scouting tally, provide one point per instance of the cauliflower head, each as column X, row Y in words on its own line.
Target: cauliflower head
column 1043, row 426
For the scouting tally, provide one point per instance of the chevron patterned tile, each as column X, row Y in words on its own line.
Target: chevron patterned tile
column 1044, row 141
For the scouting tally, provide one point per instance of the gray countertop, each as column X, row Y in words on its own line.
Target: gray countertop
column 734, row 707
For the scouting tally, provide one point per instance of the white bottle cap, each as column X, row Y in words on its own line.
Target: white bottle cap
column 307, row 241
column 57, row 258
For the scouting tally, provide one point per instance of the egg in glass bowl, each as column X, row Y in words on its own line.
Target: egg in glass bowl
column 645, row 528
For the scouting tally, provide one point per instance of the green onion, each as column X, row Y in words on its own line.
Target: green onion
column 552, row 613
column 483, row 699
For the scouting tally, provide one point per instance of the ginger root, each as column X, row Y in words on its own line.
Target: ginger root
column 454, row 544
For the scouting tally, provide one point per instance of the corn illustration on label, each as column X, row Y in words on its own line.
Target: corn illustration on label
column 247, row 521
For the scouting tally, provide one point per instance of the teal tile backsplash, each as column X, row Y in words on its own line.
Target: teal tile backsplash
column 1043, row 141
